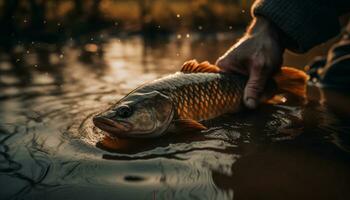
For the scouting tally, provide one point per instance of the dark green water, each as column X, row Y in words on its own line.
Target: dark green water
column 48, row 95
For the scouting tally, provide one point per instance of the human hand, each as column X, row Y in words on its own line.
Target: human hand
column 258, row 54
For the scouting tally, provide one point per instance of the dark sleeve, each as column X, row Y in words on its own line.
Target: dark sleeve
column 305, row 23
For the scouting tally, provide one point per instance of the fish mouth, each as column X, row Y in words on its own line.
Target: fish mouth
column 114, row 128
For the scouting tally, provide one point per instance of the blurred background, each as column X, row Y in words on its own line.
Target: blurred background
column 53, row 20
column 42, row 37
column 39, row 35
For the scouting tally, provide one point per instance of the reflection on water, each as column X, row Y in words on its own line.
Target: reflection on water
column 49, row 148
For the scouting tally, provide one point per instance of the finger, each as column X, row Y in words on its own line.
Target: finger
column 255, row 87
column 231, row 65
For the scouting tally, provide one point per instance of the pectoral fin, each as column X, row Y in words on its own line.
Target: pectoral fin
column 189, row 125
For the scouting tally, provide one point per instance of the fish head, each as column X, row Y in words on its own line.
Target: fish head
column 138, row 115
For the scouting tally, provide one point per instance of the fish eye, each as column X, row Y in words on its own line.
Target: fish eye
column 124, row 111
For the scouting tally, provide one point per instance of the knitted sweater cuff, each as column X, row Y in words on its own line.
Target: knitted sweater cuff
column 306, row 23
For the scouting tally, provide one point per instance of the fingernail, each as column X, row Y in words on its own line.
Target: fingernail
column 251, row 103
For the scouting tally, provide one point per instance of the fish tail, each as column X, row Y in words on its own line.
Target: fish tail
column 291, row 80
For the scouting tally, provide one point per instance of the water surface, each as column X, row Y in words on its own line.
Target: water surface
column 49, row 148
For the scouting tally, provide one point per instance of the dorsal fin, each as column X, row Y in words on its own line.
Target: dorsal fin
column 188, row 65
column 192, row 66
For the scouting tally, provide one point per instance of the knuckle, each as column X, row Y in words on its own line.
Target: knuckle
column 255, row 87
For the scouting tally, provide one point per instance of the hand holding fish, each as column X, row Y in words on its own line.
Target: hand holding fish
column 258, row 54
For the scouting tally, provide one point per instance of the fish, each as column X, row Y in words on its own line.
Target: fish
column 183, row 100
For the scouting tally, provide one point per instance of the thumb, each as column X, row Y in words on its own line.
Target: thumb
column 254, row 87
column 224, row 64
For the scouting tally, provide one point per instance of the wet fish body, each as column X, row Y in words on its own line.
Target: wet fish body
column 184, row 99
column 200, row 96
